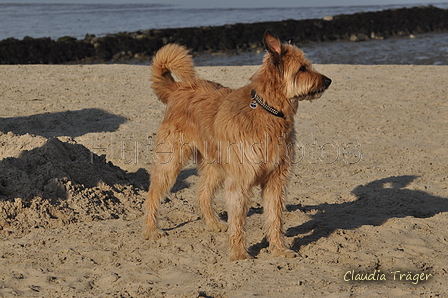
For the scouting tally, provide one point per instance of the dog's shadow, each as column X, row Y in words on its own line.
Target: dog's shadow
column 376, row 202
column 142, row 179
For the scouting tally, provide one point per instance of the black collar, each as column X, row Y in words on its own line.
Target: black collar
column 265, row 106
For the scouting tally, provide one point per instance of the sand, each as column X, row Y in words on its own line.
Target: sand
column 368, row 196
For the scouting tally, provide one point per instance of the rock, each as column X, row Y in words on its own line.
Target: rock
column 373, row 35
column 359, row 37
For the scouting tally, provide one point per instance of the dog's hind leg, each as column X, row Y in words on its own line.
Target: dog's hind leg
column 168, row 162
column 163, row 178
column 273, row 192
column 210, row 179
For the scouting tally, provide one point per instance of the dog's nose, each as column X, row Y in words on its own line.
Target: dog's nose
column 327, row 82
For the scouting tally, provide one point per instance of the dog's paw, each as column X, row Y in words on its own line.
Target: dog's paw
column 153, row 234
column 240, row 256
column 284, row 253
column 218, row 226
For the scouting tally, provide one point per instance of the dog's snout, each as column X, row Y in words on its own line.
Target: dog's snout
column 327, row 82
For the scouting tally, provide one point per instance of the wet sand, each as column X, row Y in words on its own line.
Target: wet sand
column 418, row 49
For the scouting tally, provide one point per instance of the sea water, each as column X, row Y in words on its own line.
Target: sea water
column 77, row 20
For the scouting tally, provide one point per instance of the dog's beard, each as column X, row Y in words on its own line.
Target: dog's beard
column 316, row 94
column 310, row 96
column 304, row 94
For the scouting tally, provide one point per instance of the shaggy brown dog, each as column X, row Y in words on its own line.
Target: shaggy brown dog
column 239, row 138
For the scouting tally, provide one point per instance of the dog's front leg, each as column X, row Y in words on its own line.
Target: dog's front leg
column 209, row 180
column 237, row 197
column 274, row 192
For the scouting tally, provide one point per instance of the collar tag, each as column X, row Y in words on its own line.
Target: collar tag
column 257, row 100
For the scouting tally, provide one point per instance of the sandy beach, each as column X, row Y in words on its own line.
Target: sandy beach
column 368, row 196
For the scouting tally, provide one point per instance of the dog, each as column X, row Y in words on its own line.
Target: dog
column 238, row 138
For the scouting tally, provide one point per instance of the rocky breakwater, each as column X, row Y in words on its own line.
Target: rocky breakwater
column 141, row 45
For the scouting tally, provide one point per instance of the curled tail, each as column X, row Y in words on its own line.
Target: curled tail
column 169, row 60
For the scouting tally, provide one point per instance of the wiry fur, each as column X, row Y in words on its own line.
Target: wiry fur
column 233, row 145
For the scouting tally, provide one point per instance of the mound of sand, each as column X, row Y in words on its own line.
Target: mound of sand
column 49, row 182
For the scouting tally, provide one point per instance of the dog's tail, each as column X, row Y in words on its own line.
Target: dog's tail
column 171, row 60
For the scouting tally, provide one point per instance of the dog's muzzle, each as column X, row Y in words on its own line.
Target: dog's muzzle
column 327, row 82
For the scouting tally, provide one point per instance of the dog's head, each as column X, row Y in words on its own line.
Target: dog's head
column 294, row 74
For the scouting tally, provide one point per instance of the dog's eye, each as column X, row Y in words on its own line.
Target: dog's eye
column 303, row 68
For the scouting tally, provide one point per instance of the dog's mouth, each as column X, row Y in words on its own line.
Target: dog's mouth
column 314, row 94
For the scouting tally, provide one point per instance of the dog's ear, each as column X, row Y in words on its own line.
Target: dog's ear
column 273, row 46
column 290, row 40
